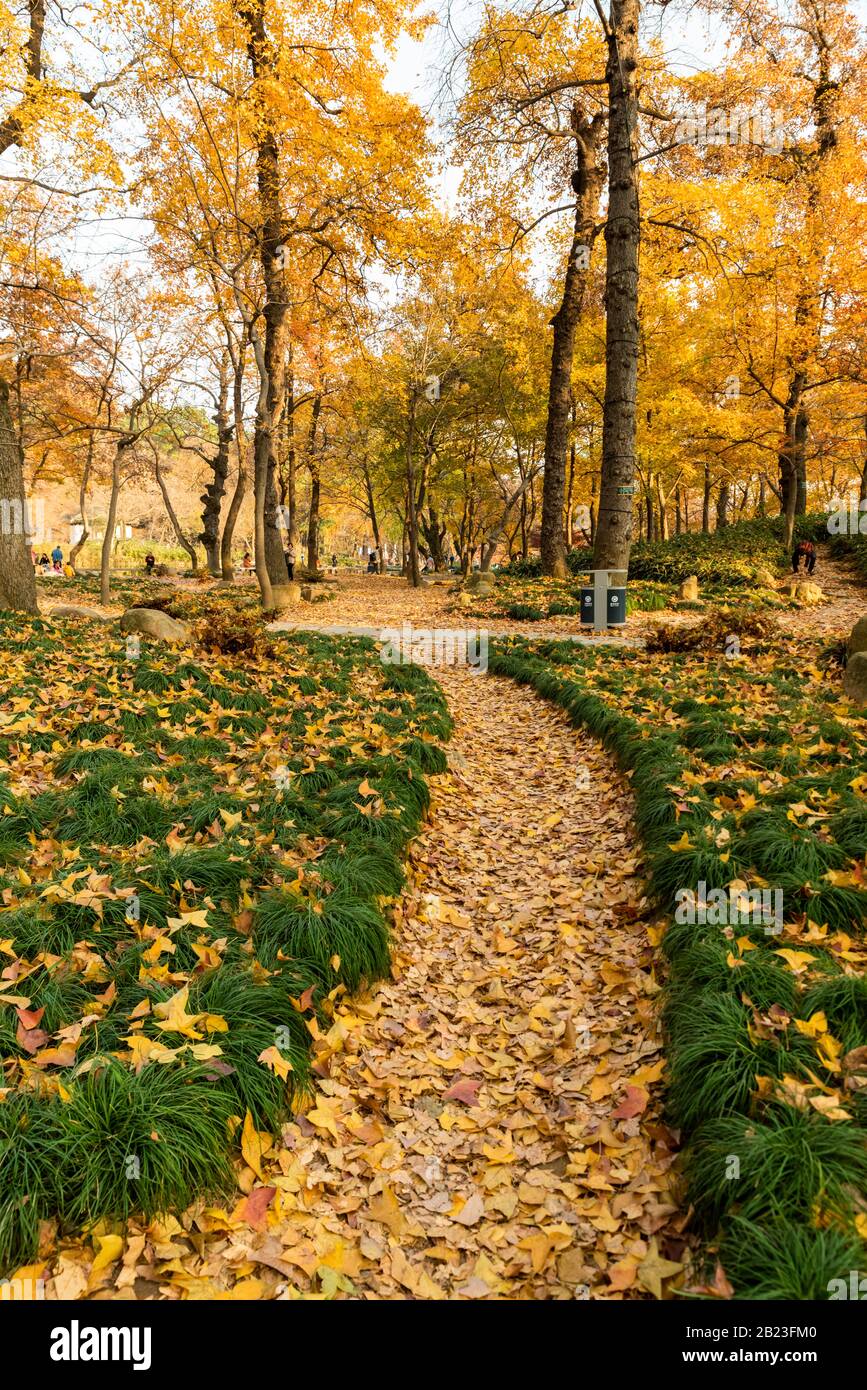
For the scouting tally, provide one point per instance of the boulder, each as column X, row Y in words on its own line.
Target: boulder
column 858, row 637
column 765, row 579
column 689, row 588
column 481, row 583
column 75, row 610
column 306, row 592
column 153, row 622
column 855, row 679
column 803, row 591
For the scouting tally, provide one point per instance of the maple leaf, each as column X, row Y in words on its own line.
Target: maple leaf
column 654, row 1270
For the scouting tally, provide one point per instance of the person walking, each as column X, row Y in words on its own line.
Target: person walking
column 798, row 554
column 809, row 556
column 289, row 557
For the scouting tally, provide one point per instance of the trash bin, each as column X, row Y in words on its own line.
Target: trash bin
column 616, row 606
column 588, row 605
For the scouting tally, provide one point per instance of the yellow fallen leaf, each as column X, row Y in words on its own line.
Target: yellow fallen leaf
column 255, row 1144
column 110, row 1249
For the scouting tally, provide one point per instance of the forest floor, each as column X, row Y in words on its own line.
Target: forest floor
column 486, row 1122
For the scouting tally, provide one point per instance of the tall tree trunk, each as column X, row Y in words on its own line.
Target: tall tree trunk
column 411, row 515
column 315, row 488
column 722, row 506
column 373, row 514
column 587, row 182
column 570, row 489
column 108, row 537
column 795, row 433
column 17, row 575
column 663, row 511
column 622, row 231
column 226, row 567
column 288, row 475
column 212, row 497
column 705, row 501
column 82, row 502
column 264, row 63
column 808, row 312
column 172, row 515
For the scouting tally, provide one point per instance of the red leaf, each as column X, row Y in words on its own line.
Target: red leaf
column 633, row 1103
column 30, row 1018
column 31, row 1039
column 256, row 1204
column 464, row 1091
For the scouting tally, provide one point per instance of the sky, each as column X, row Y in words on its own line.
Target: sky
column 692, row 39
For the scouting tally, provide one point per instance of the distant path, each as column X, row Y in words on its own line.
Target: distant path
column 844, row 601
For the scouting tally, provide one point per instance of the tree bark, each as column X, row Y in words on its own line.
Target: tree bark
column 212, row 497
column 17, row 575
column 108, row 537
column 226, row 567
column 270, row 359
column 172, row 515
column 794, row 441
column 315, row 488
column 82, row 503
column 587, row 182
column 622, row 232
column 411, row 515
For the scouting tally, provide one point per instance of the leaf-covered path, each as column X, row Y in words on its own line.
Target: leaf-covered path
column 484, row 1124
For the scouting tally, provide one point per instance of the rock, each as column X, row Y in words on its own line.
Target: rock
column 153, row 622
column 765, row 579
column 858, row 637
column 74, row 610
column 803, row 591
column 306, row 592
column 284, row 595
column 855, row 679
column 481, row 583
column 689, row 588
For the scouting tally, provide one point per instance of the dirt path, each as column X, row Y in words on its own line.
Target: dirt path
column 845, row 601
column 484, row 1123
